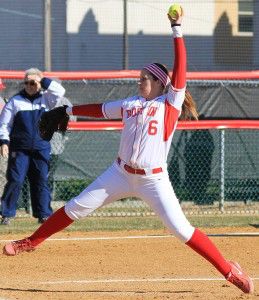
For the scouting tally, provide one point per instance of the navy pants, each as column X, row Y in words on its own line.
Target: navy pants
column 34, row 165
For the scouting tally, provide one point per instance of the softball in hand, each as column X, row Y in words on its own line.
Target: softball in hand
column 175, row 10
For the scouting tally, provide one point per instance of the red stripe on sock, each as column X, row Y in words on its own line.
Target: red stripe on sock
column 200, row 243
column 56, row 222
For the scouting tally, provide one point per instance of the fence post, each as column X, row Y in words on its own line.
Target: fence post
column 47, row 35
column 125, row 36
column 222, row 170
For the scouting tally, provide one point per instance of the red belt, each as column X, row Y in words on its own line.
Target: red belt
column 131, row 170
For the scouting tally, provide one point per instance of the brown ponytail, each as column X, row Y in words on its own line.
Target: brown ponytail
column 189, row 110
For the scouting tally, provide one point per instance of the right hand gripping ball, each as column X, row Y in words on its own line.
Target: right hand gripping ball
column 175, row 9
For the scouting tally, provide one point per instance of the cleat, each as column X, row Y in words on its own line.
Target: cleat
column 5, row 221
column 42, row 220
column 17, row 247
column 240, row 279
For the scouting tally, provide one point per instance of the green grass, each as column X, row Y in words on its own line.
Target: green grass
column 28, row 225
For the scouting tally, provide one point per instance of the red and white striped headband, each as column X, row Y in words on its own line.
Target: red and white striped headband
column 159, row 73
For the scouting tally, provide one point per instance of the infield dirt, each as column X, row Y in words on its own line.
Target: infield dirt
column 149, row 265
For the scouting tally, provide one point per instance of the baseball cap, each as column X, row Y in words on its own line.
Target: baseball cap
column 2, row 86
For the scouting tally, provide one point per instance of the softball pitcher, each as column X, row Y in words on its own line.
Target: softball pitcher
column 140, row 170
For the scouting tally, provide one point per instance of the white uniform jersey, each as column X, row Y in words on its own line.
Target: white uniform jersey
column 145, row 142
column 148, row 127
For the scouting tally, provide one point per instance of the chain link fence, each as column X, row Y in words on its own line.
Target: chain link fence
column 209, row 169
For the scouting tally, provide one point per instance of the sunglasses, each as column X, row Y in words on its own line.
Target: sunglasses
column 29, row 82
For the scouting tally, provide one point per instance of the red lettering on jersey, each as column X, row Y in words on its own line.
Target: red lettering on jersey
column 134, row 112
column 152, row 111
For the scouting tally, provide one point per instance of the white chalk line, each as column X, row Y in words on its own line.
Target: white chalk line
column 234, row 234
column 132, row 280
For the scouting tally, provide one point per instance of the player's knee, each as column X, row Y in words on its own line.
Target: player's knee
column 75, row 210
column 184, row 233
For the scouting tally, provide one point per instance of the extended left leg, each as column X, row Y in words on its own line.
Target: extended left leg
column 159, row 194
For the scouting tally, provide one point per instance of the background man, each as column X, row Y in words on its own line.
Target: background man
column 28, row 154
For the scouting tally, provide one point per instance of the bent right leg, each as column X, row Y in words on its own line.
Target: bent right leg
column 108, row 187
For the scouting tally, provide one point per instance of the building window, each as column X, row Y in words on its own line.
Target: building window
column 245, row 15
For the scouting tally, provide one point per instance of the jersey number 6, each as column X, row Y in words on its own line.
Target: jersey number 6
column 152, row 130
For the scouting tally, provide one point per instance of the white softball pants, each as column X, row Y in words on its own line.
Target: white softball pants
column 116, row 183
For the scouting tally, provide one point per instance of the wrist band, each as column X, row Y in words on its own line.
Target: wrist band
column 173, row 25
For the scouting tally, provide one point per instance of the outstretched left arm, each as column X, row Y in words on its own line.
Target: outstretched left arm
column 86, row 110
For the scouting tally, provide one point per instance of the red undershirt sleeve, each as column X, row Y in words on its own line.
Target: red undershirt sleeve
column 88, row 110
column 178, row 81
column 179, row 71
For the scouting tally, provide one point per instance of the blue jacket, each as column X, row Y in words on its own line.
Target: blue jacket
column 20, row 116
